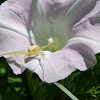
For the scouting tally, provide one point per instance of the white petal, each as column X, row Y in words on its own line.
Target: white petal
column 93, row 11
column 48, row 22
column 60, row 65
column 87, row 48
column 15, row 15
column 33, row 63
column 79, row 53
column 55, row 8
column 9, row 42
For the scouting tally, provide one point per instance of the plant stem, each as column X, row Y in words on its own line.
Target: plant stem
column 66, row 91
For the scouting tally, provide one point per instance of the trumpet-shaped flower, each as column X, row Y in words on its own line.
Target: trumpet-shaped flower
column 73, row 26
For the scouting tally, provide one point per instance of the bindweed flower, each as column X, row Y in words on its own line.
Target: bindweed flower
column 73, row 25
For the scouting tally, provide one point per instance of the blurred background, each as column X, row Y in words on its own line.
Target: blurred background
column 27, row 86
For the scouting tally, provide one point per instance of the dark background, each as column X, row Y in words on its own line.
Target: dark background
column 1, row 1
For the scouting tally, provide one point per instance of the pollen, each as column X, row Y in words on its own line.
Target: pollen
column 34, row 47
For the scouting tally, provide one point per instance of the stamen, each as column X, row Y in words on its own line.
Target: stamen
column 50, row 40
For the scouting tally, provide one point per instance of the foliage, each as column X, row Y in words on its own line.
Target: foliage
column 1, row 1
column 12, row 87
column 84, row 85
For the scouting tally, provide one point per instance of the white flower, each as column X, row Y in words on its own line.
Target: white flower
column 73, row 25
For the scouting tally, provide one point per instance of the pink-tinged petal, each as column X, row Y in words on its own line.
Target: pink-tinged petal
column 15, row 15
column 15, row 19
column 56, row 18
column 89, row 28
column 60, row 65
column 86, row 37
column 44, row 27
column 16, row 12
column 93, row 12
column 79, row 53
column 87, row 48
column 77, row 8
column 54, row 8
column 88, row 31
column 9, row 42
column 32, row 63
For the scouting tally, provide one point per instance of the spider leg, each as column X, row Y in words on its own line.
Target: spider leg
column 24, row 58
column 46, row 46
column 42, row 53
column 19, row 52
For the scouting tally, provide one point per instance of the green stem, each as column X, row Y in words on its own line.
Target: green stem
column 66, row 91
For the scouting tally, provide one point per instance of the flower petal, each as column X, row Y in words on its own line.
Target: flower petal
column 60, row 64
column 93, row 12
column 33, row 63
column 79, row 53
column 79, row 9
column 86, row 38
column 54, row 18
column 9, row 42
column 15, row 15
column 14, row 19
column 89, row 28
column 44, row 27
column 54, row 8
column 87, row 48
